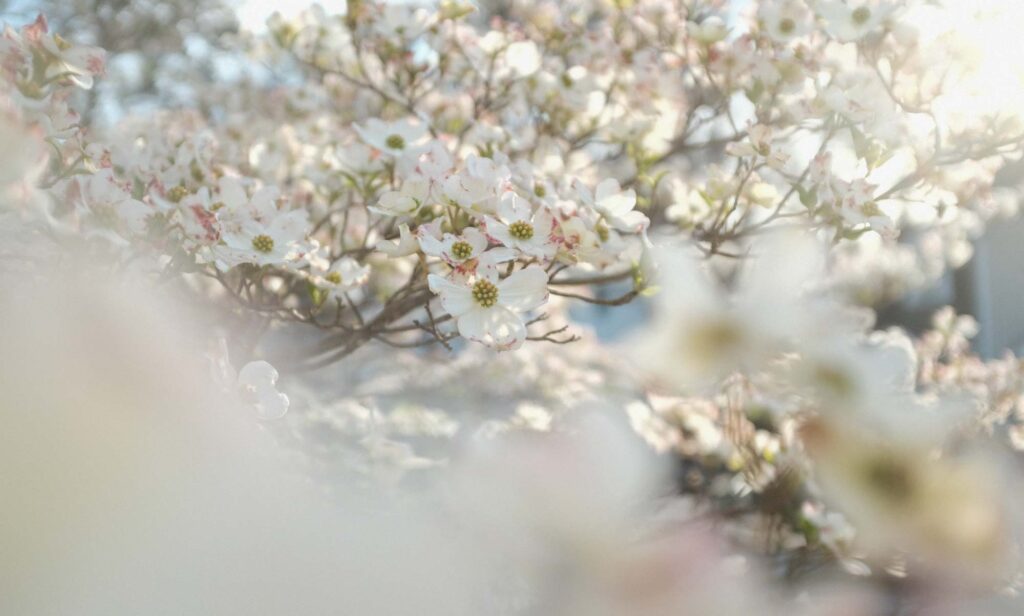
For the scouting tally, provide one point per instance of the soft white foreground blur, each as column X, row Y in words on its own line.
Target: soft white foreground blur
column 132, row 486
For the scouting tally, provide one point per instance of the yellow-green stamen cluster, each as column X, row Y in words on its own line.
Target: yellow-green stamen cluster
column 714, row 339
column 861, row 15
column 892, row 479
column 485, row 293
column 834, row 380
column 263, row 243
column 395, row 142
column 177, row 193
column 787, row 25
column 217, row 206
column 521, row 230
column 333, row 277
column 461, row 250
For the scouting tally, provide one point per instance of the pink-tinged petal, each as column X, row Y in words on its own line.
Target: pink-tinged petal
column 487, row 268
column 543, row 222
column 85, row 58
column 538, row 246
column 36, row 30
column 498, row 231
column 525, row 289
column 456, row 299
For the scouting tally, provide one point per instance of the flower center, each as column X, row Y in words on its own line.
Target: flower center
column 521, row 230
column 333, row 277
column 834, row 380
column 461, row 250
column 861, row 15
column 715, row 339
column 263, row 243
column 217, row 206
column 485, row 293
column 395, row 142
column 890, row 478
column 177, row 193
column 787, row 26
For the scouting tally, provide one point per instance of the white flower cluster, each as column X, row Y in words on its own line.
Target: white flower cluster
column 404, row 178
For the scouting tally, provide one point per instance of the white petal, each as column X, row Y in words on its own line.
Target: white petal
column 431, row 245
column 543, row 222
column 606, row 188
column 498, row 231
column 271, row 404
column 257, row 374
column 523, row 58
column 617, row 204
column 473, row 324
column 524, row 290
column 405, row 245
column 476, row 239
column 231, row 192
column 256, row 380
column 289, row 226
column 494, row 256
column 630, row 222
column 456, row 299
column 394, row 202
column 513, row 207
column 496, row 326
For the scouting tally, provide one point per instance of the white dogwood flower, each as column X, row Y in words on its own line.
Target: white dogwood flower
column 255, row 231
column 487, row 309
column 519, row 227
column 615, row 205
column 851, row 20
column 343, row 275
column 395, row 138
column 785, row 20
column 78, row 63
column 478, row 185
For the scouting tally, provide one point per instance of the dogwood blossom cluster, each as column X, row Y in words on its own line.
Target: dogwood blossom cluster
column 422, row 156
column 388, row 194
